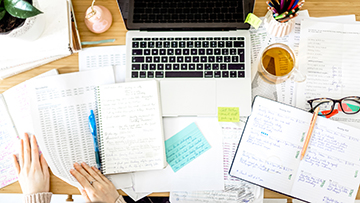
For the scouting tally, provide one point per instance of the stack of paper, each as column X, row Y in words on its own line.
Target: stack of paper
column 57, row 41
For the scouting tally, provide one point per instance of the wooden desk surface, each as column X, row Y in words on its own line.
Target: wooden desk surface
column 317, row 8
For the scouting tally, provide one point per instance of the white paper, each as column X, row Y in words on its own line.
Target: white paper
column 235, row 189
column 8, row 146
column 332, row 57
column 97, row 57
column 203, row 173
column 269, row 154
column 18, row 102
column 60, row 107
column 131, row 132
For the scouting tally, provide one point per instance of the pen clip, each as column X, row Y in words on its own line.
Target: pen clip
column 92, row 123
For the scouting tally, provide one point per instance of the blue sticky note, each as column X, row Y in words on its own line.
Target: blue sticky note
column 185, row 146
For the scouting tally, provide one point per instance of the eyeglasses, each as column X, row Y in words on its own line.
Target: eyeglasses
column 348, row 105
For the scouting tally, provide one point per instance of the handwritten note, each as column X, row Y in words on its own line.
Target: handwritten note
column 8, row 147
column 228, row 114
column 268, row 154
column 185, row 146
column 131, row 127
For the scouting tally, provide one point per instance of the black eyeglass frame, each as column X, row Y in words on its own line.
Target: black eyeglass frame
column 352, row 98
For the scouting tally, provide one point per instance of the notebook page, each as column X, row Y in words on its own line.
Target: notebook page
column 60, row 107
column 329, row 170
column 8, row 146
column 268, row 154
column 131, row 132
column 330, row 55
column 18, row 102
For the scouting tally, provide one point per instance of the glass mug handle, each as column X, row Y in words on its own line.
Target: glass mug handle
column 296, row 76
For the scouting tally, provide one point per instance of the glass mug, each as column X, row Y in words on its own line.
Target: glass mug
column 278, row 63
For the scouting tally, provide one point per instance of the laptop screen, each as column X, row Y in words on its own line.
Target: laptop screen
column 185, row 14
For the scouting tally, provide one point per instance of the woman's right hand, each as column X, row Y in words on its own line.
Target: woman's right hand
column 96, row 187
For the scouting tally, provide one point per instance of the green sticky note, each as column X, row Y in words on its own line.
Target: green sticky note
column 253, row 20
column 228, row 114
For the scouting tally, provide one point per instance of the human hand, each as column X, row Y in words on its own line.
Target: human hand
column 33, row 172
column 96, row 187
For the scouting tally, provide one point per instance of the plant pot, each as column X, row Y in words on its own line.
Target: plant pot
column 31, row 29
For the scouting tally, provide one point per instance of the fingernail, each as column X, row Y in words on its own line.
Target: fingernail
column 71, row 170
column 76, row 164
column 83, row 163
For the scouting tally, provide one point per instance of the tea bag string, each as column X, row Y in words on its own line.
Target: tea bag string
column 93, row 12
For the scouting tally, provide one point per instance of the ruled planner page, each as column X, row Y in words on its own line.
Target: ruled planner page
column 330, row 56
column 269, row 154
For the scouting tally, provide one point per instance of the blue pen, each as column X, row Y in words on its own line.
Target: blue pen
column 92, row 124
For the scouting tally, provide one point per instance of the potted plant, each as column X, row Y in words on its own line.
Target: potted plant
column 17, row 19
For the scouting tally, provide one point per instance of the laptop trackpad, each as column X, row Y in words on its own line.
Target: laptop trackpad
column 188, row 98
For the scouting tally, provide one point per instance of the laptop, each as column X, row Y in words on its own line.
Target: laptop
column 198, row 50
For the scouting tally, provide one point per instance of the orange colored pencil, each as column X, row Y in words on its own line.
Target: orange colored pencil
column 308, row 136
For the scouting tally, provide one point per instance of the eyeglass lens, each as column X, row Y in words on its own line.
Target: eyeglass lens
column 349, row 106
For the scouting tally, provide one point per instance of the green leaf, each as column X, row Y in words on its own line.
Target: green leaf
column 20, row 9
column 2, row 12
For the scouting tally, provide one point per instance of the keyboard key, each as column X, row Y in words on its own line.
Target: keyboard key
column 170, row 51
column 232, row 51
column 176, row 66
column 215, row 66
column 137, row 59
column 220, row 43
column 201, row 51
column 184, row 66
column 193, row 51
column 207, row 66
column 135, row 45
column 234, row 59
column 196, row 59
column 158, row 44
column 184, row 74
column 226, row 58
column 135, row 67
column 151, row 44
column 225, row 74
column 152, row 66
column 186, row 51
column 225, row 51
column 233, row 74
column 156, row 59
column 142, row 74
column 223, row 66
column 204, row 59
column 150, row 74
column 148, row 59
column 213, row 44
column 137, row 39
column 199, row 67
column 211, row 59
column 228, row 43
column 241, row 53
column 167, row 66
column 182, row 44
column 239, row 44
column 167, row 44
column 177, row 51
column 160, row 66
column 241, row 74
column 162, row 51
column 180, row 59
column 217, row 74
column 208, row 74
column 146, row 51
column 191, row 66
column 197, row 44
column 187, row 59
column 190, row 44
column 205, row 44
column 172, row 59
column 174, row 44
column 219, row 59
column 155, row 52
column 159, row 74
column 134, row 74
column 164, row 59
column 143, row 44
column 236, row 67
column 144, row 66
column 137, row 52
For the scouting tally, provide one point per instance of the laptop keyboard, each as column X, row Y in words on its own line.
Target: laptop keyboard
column 188, row 57
column 190, row 11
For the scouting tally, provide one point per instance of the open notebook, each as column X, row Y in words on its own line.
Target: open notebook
column 59, row 39
column 268, row 154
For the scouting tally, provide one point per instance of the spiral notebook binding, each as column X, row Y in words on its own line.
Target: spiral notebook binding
column 98, row 115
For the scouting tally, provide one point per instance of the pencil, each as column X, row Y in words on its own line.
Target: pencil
column 308, row 136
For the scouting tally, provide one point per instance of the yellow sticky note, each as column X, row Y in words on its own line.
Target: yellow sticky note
column 253, row 20
column 228, row 114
